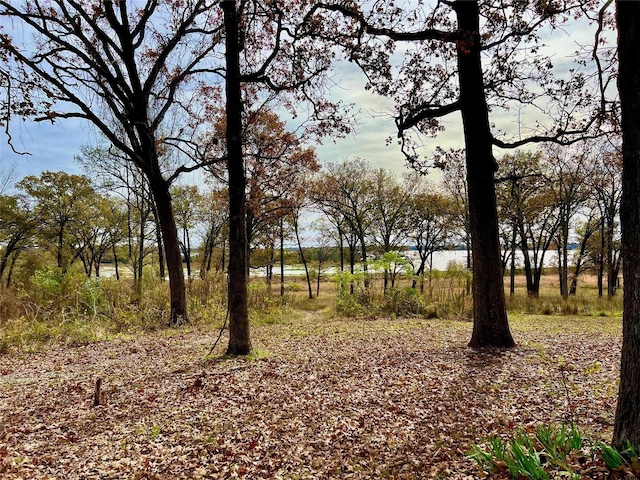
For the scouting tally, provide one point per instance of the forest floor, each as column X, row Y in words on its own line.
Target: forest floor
column 320, row 398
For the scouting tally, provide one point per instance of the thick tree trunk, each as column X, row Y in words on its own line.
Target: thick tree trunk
column 11, row 266
column 239, row 341
column 490, row 324
column 9, row 249
column 627, row 420
column 173, row 257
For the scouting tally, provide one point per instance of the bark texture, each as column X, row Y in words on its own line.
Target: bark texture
column 490, row 326
column 239, row 340
column 627, row 421
column 162, row 199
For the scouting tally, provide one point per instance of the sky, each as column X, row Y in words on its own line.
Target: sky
column 53, row 146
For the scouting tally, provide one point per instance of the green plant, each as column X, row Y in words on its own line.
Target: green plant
column 557, row 444
column 155, row 431
column 348, row 305
column 403, row 302
column 549, row 452
column 631, row 452
column 612, row 458
column 526, row 460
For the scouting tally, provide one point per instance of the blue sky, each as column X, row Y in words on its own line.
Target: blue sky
column 52, row 147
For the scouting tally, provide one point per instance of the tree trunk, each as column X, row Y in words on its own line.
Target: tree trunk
column 341, row 241
column 281, row 257
column 187, row 253
column 563, row 256
column 223, row 255
column 115, row 261
column 352, row 260
column 490, row 324
column 601, row 259
column 302, row 257
column 11, row 265
column 59, row 255
column 627, row 420
column 612, row 272
column 239, row 341
column 173, row 257
column 363, row 250
column 420, row 270
column 528, row 271
column 207, row 252
column 270, row 265
column 578, row 266
column 512, row 269
column 138, row 273
column 159, row 241
column 9, row 249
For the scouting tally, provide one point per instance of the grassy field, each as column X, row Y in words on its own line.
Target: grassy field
column 322, row 396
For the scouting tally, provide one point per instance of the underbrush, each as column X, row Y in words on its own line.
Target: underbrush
column 587, row 304
column 448, row 295
column 72, row 308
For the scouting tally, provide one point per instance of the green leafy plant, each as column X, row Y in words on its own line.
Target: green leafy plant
column 542, row 455
column 612, row 458
column 526, row 461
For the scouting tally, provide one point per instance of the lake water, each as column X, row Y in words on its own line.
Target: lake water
column 441, row 261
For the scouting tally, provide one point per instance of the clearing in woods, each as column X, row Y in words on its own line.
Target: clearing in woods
column 321, row 398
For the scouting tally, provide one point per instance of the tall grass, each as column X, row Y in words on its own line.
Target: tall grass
column 447, row 295
column 52, row 308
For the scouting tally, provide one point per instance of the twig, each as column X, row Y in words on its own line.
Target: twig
column 225, row 321
column 96, row 393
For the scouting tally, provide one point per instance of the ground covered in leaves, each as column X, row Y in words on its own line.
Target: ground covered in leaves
column 321, row 398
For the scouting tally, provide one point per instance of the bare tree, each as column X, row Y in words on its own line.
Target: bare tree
column 127, row 68
column 264, row 56
column 445, row 75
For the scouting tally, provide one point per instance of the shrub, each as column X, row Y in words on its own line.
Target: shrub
column 404, row 302
column 348, row 305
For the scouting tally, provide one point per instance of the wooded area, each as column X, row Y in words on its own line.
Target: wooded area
column 238, row 93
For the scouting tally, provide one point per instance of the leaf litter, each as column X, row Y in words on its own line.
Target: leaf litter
column 381, row 398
